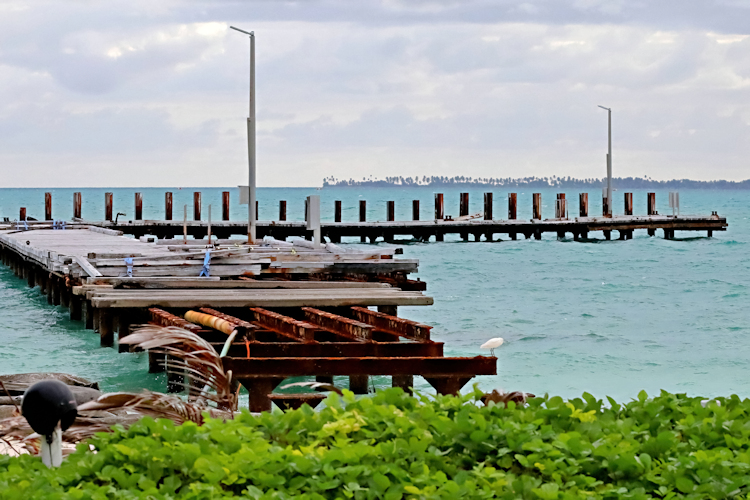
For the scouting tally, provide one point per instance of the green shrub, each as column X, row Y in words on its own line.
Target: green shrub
column 392, row 445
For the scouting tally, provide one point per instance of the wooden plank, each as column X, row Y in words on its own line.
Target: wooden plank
column 86, row 266
column 393, row 324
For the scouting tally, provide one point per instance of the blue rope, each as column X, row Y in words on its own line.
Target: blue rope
column 129, row 263
column 206, row 270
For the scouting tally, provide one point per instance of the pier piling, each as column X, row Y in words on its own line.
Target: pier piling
column 197, row 205
column 168, row 206
column 391, row 211
column 651, row 204
column 337, row 211
column 282, row 210
column 138, row 206
column 512, row 206
column 225, row 205
column 583, row 205
column 464, row 205
column 488, row 206
column 537, row 206
column 628, row 203
column 77, row 205
column 415, row 210
column 363, row 217
column 605, row 204
column 47, row 206
column 22, row 213
column 439, row 207
column 108, row 206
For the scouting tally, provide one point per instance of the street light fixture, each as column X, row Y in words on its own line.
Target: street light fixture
column 608, row 211
column 251, row 215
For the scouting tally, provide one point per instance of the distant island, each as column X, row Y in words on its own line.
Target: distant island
column 534, row 182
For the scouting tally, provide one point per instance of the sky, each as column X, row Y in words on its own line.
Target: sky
column 142, row 93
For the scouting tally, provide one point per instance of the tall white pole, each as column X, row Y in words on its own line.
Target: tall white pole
column 609, row 162
column 251, row 145
column 251, row 225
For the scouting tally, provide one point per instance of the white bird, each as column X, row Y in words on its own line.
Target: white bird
column 491, row 344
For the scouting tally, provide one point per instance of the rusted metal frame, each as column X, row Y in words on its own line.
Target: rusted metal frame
column 537, row 206
column 436, row 367
column 393, row 325
column 488, row 206
column 332, row 349
column 512, row 205
column 197, row 205
column 583, row 205
column 168, row 206
column 300, row 331
column 225, row 205
column 163, row 318
column 108, row 207
column 259, row 389
column 340, row 325
column 47, row 206
column 294, row 401
column 76, row 205
column 244, row 326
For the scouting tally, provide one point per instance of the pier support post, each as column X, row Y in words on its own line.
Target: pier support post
column 168, row 206
column 512, row 206
column 363, row 217
column 282, row 210
column 463, row 208
column 651, row 204
column 88, row 314
column 138, row 206
column 155, row 361
column 337, row 211
column 583, row 205
column 108, row 206
column 47, row 206
column 710, row 233
column 439, row 237
column 358, row 384
column 22, row 213
column 391, row 211
column 65, row 294
column 76, row 303
column 488, row 207
column 225, row 205
column 668, row 234
column 406, row 382
column 175, row 375
column 607, row 234
column 31, row 276
column 106, row 331
column 537, row 206
column 448, row 385
column 77, row 205
column 50, row 289
column 439, row 207
column 415, row 210
column 197, row 205
column 538, row 234
column 606, row 212
column 561, row 206
column 628, row 203
column 258, row 390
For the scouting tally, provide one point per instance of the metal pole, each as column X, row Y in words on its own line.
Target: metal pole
column 609, row 161
column 251, row 215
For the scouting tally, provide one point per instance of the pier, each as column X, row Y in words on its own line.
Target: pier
column 300, row 309
column 483, row 226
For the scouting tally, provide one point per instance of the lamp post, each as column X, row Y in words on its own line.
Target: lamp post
column 609, row 162
column 251, row 141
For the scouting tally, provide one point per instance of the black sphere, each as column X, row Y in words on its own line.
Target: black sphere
column 46, row 403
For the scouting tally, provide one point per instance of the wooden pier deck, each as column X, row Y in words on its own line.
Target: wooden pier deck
column 302, row 310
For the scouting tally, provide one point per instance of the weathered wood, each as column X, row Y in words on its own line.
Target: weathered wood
column 628, row 203
column 197, row 205
column 282, row 210
column 651, row 204
column 47, row 206
column 487, row 206
column 77, row 205
column 583, row 205
column 22, row 213
column 168, row 205
column 108, row 207
column 537, row 206
column 138, row 206
column 464, row 205
column 106, row 330
column 439, row 207
column 225, row 205
column 337, row 211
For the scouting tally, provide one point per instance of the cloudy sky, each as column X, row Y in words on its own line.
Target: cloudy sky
column 144, row 93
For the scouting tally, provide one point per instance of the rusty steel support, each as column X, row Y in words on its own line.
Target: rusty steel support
column 163, row 318
column 108, row 206
column 583, row 205
column 628, row 203
column 77, row 205
column 197, row 205
column 405, row 382
column 349, row 349
column 537, row 206
column 391, row 211
column 345, row 327
column 651, row 204
column 393, row 324
column 439, row 207
column 415, row 210
column 337, row 211
column 607, row 234
column 168, row 205
column 138, row 206
column 448, row 385
column 284, row 325
column 358, row 384
column 22, row 213
column 463, row 208
column 561, row 206
column 282, row 210
column 225, row 205
column 488, row 206
column 605, row 205
column 47, row 206
column 258, row 390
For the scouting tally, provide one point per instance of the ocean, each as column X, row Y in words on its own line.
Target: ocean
column 610, row 318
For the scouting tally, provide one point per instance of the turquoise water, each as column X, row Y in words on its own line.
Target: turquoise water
column 610, row 318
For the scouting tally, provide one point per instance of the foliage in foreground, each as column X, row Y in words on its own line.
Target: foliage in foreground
column 395, row 446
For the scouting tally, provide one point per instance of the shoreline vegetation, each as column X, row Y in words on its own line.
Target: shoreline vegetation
column 535, row 182
column 391, row 445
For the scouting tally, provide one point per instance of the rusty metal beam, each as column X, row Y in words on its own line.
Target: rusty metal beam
column 284, row 325
column 163, row 318
column 248, row 368
column 393, row 325
column 294, row 401
column 340, row 325
column 333, row 349
column 239, row 324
